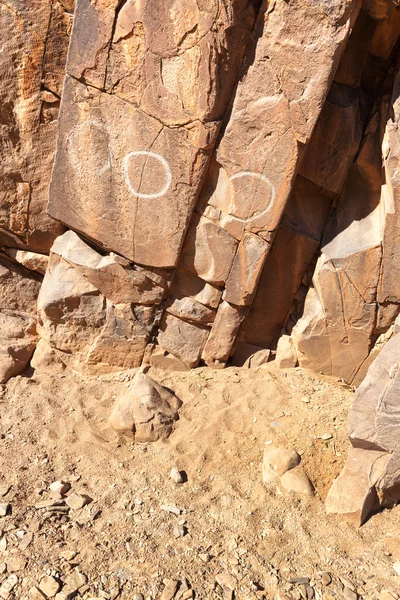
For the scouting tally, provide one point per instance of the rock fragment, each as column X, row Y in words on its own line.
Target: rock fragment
column 49, row 586
column 146, row 412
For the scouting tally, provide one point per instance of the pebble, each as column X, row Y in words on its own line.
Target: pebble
column 205, row 557
column 299, row 580
column 326, row 436
column 179, row 531
column 49, row 586
column 76, row 501
column 326, row 579
column 347, row 583
column 74, row 581
column 349, row 594
column 169, row 590
column 176, row 475
column 280, row 460
column 298, row 482
column 3, row 544
column 137, row 597
column 3, row 568
column 396, row 567
column 171, row 509
column 35, row 593
column 7, row 586
column 60, row 487
column 4, row 509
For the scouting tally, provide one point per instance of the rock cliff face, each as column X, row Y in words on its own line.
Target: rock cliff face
column 207, row 178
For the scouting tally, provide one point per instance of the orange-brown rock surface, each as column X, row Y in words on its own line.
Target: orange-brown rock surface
column 212, row 181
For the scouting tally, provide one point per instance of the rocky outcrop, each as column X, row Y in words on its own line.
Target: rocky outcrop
column 371, row 479
column 87, row 310
column 34, row 49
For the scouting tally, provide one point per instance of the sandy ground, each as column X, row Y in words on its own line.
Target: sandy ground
column 54, row 427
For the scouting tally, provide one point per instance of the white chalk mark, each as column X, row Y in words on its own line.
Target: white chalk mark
column 76, row 152
column 262, row 178
column 160, row 159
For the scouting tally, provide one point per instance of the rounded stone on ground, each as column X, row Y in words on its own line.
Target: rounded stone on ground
column 297, row 481
column 278, row 461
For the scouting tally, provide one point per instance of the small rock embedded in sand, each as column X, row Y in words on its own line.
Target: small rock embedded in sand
column 49, row 586
column 326, row 579
column 73, row 582
column 60, row 487
column 4, row 489
column 171, row 509
column 179, row 531
column 349, row 594
column 3, row 544
column 297, row 481
column 76, row 501
column 16, row 562
column 226, row 580
column 278, row 461
column 326, row 436
column 3, row 568
column 396, row 567
column 176, row 475
column 4, row 509
column 299, row 580
column 205, row 557
column 169, row 590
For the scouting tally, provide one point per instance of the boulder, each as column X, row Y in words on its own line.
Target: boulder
column 370, row 478
column 17, row 343
column 146, row 412
column 286, row 355
column 277, row 461
column 93, row 333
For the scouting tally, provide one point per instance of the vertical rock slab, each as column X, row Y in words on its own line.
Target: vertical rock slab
column 371, row 478
column 223, row 334
column 137, row 130
column 29, row 97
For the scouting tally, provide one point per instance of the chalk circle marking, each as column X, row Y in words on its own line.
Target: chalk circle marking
column 262, row 178
column 76, row 157
column 161, row 160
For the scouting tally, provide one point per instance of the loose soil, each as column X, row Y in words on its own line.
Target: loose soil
column 54, row 427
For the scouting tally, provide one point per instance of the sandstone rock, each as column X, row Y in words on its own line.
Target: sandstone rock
column 19, row 288
column 336, row 139
column 46, row 359
column 353, row 495
column 112, row 275
column 191, row 310
column 92, row 333
column 188, row 284
column 286, row 355
column 182, row 339
column 17, row 343
column 370, row 477
column 209, row 251
column 298, row 482
column 49, row 586
column 146, row 412
column 261, row 357
column 29, row 127
column 223, row 333
column 278, row 286
column 246, row 270
column 278, row 461
column 160, row 359
column 147, row 163
column 30, row 260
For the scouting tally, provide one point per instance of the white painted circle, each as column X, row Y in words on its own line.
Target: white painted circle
column 160, row 159
column 262, row 178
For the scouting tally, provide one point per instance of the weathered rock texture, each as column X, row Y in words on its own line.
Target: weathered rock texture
column 227, row 173
column 146, row 412
column 35, row 38
column 371, row 478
